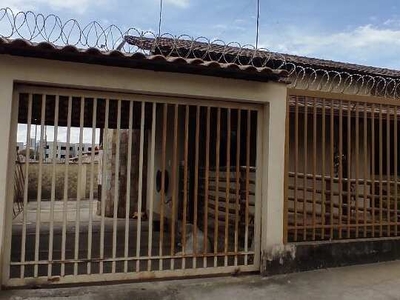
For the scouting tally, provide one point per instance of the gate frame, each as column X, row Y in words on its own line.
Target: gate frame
column 262, row 111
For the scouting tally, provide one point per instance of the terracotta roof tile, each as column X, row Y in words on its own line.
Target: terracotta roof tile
column 155, row 62
column 230, row 53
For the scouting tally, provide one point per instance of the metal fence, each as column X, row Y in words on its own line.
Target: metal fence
column 343, row 169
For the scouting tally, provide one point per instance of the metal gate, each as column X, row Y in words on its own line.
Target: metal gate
column 343, row 167
column 123, row 187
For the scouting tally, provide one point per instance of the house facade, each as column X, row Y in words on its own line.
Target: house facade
column 183, row 123
column 206, row 166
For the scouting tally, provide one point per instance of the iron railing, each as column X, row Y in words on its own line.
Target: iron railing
column 343, row 175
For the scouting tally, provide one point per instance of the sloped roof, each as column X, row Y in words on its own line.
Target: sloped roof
column 156, row 62
column 209, row 50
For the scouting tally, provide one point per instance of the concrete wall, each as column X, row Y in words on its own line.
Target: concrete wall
column 73, row 173
column 182, row 87
column 169, row 158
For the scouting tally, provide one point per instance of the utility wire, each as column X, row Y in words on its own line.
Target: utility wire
column 258, row 23
column 160, row 19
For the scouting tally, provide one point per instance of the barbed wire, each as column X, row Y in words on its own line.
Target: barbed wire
column 342, row 82
column 36, row 27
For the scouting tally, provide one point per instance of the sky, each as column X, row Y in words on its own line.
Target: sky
column 357, row 31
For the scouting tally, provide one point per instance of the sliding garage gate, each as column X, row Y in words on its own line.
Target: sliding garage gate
column 121, row 186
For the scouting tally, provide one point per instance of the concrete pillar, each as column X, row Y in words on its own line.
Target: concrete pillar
column 7, row 151
column 274, row 135
column 109, row 161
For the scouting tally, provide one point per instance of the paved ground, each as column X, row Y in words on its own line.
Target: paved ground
column 378, row 281
column 85, row 213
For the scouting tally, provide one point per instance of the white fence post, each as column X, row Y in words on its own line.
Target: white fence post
column 7, row 134
column 273, row 167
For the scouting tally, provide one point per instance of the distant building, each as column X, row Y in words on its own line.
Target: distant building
column 60, row 149
column 85, row 147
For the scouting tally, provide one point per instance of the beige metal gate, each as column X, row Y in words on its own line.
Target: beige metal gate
column 343, row 166
column 123, row 186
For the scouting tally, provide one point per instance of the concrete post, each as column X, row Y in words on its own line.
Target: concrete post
column 109, row 160
column 274, row 132
column 6, row 176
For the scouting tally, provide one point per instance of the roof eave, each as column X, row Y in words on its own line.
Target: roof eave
column 136, row 61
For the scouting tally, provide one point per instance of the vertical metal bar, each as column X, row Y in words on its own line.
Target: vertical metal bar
column 92, row 183
column 357, row 165
column 388, row 177
column 365, row 167
column 248, row 145
column 258, row 181
column 217, row 154
column 237, row 183
column 323, row 139
column 196, row 186
column 332, row 166
column 380, row 172
column 116, row 187
column 128, row 187
column 140, row 188
column 26, row 184
column 175, row 182
column 227, row 188
column 151, row 184
column 65, row 198
column 340, row 168
column 53, row 186
column 103, row 185
column 305, row 143
column 314, row 197
column 296, row 166
column 206, row 183
column 185, row 184
column 349, row 169
column 373, row 169
column 256, row 244
column 40, row 182
column 395, row 163
column 163, row 169
column 78, row 196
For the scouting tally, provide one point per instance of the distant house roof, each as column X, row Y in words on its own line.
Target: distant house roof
column 156, row 62
column 208, row 51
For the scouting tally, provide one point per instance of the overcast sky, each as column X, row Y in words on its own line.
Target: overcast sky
column 358, row 31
